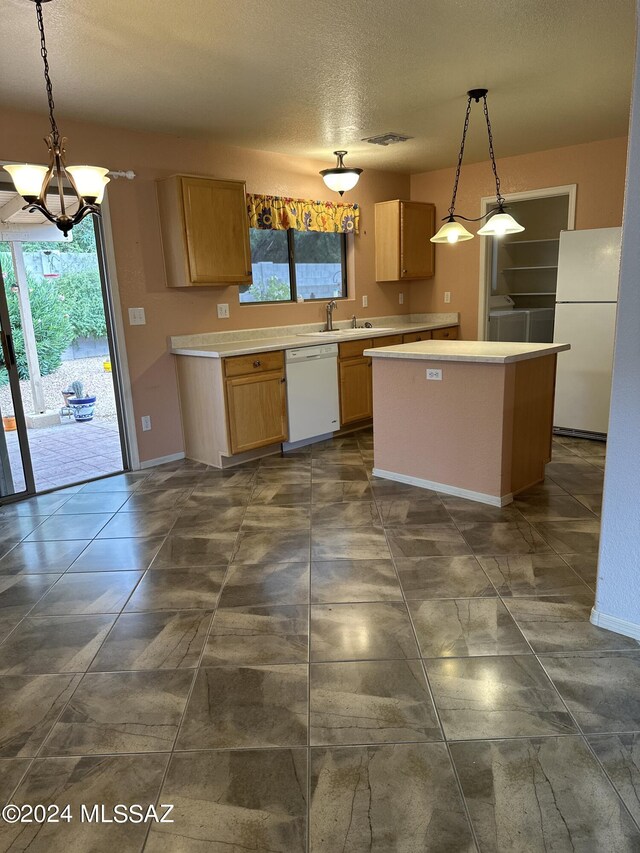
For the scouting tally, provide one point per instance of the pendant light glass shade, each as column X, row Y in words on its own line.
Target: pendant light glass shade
column 452, row 232
column 341, row 178
column 27, row 179
column 90, row 181
column 499, row 225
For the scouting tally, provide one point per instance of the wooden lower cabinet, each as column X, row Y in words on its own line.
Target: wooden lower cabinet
column 356, row 394
column 450, row 333
column 256, row 410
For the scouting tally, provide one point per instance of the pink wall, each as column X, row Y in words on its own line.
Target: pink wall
column 598, row 169
column 138, row 254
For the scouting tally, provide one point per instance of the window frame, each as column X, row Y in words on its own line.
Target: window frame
column 292, row 271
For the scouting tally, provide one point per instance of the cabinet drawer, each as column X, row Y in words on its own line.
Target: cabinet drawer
column 242, row 365
column 413, row 337
column 450, row 334
column 388, row 341
column 354, row 349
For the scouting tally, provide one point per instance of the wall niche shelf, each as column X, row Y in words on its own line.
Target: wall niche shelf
column 528, row 242
column 535, row 293
column 540, row 267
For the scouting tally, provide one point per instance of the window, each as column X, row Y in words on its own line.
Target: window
column 291, row 264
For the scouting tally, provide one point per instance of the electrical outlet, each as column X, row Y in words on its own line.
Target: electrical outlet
column 433, row 373
column 136, row 317
column 401, row 298
column 223, row 311
column 146, row 423
column 365, row 301
column 447, row 296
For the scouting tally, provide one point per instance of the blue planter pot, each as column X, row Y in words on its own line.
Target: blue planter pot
column 83, row 407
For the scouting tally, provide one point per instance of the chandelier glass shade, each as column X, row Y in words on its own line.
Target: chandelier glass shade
column 341, row 178
column 499, row 222
column 35, row 182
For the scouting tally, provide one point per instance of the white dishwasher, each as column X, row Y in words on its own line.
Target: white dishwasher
column 312, row 392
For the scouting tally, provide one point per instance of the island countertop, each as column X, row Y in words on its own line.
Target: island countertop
column 488, row 352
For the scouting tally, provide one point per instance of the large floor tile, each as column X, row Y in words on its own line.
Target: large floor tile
column 266, row 583
column 247, row 706
column 585, row 565
column 443, row 577
column 118, row 555
column 18, row 595
column 234, row 801
column 400, row 797
column 259, row 635
column 268, row 517
column 601, row 689
column 510, row 537
column 571, row 537
column 532, row 574
column 54, row 644
column 361, row 631
column 390, row 490
column 30, row 706
column 458, row 627
column 493, row 697
column 537, row 795
column 11, row 772
column 425, row 541
column 402, row 511
column 279, row 546
column 114, row 712
column 370, row 702
column 561, row 623
column 126, row 525
column 156, row 500
column 83, row 526
column 592, row 502
column 181, row 551
column 168, row 639
column 127, row 483
column 92, row 502
column 354, row 580
column 345, row 514
column 86, row 593
column 620, row 757
column 334, row 471
column 41, row 557
column 107, row 781
column 348, row 543
column 205, row 522
column 281, row 494
column 538, row 508
column 576, row 476
column 335, row 491
column 177, row 589
column 463, row 510
column 217, row 494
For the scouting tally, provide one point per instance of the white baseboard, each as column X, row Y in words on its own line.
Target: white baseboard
column 612, row 623
column 172, row 457
column 492, row 500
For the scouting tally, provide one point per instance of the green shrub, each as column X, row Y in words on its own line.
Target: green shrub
column 82, row 294
column 52, row 327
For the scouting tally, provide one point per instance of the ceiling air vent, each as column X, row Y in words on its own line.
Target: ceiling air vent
column 387, row 139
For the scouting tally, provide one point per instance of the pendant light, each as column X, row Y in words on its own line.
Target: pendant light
column 499, row 223
column 341, row 178
column 33, row 182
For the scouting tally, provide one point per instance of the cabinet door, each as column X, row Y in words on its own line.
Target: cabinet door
column 257, row 410
column 356, row 397
column 448, row 334
column 216, row 231
column 417, row 255
column 413, row 337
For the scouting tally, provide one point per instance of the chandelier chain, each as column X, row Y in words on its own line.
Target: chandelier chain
column 499, row 196
column 460, row 156
column 43, row 52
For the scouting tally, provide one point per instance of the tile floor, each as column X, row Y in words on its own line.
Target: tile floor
column 300, row 657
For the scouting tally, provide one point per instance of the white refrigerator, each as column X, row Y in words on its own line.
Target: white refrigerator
column 586, row 303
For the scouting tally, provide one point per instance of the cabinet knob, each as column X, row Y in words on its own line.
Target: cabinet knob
column 404, row 272
column 257, row 363
column 248, row 272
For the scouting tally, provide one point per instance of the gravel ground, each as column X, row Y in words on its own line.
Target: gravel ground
column 88, row 370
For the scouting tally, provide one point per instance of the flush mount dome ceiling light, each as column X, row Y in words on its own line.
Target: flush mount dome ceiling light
column 33, row 182
column 499, row 223
column 341, row 178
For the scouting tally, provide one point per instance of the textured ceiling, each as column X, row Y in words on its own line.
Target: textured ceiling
column 304, row 78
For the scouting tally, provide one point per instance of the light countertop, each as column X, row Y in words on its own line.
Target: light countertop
column 228, row 346
column 493, row 352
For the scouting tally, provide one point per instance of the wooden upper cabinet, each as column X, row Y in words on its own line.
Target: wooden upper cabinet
column 403, row 232
column 205, row 231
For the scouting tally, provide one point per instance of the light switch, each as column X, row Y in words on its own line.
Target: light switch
column 447, row 296
column 136, row 317
column 365, row 301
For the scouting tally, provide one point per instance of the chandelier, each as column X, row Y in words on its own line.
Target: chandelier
column 34, row 182
column 341, row 178
column 500, row 222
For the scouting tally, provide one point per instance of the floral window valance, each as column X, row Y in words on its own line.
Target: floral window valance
column 272, row 212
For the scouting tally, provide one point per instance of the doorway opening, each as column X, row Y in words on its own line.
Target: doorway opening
column 60, row 392
column 518, row 272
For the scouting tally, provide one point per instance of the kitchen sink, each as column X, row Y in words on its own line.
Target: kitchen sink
column 345, row 333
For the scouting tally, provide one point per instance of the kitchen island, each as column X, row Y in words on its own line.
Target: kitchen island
column 467, row 418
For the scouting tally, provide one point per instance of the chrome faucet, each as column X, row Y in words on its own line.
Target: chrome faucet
column 354, row 322
column 330, row 309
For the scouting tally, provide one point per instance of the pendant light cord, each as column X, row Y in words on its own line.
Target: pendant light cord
column 43, row 52
column 460, row 156
column 499, row 197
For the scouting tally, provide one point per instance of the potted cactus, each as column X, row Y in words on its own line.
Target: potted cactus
column 81, row 405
